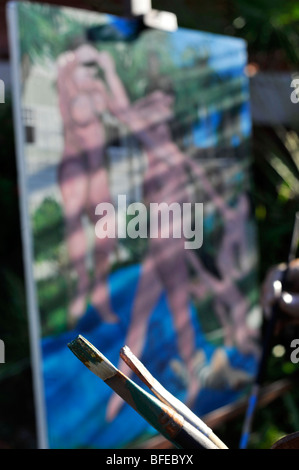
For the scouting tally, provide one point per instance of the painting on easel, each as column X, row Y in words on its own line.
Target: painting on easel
column 134, row 165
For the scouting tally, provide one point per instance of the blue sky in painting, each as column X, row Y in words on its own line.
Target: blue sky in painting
column 228, row 57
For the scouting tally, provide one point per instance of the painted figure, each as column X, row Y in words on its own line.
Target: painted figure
column 164, row 267
column 231, row 306
column 83, row 179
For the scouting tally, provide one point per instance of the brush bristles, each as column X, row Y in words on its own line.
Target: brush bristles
column 93, row 359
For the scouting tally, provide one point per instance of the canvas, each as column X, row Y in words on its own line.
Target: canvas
column 112, row 120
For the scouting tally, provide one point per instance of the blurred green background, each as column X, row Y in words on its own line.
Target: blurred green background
column 271, row 29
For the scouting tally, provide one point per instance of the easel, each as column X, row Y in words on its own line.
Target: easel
column 163, row 20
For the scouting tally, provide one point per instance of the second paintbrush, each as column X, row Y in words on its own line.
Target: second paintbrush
column 141, row 371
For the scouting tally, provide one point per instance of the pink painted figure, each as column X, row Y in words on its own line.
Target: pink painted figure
column 164, row 267
column 83, row 179
column 230, row 305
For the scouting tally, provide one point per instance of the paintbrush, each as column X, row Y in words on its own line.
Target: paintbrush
column 163, row 418
column 166, row 397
